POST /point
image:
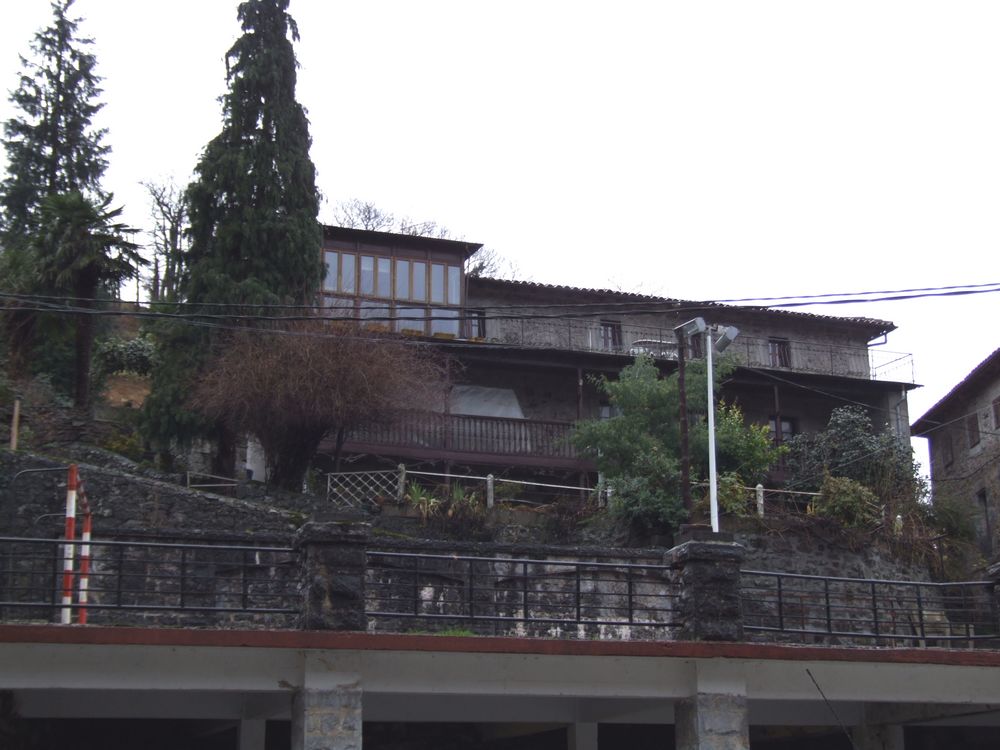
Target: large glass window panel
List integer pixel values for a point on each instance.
(367, 274)
(419, 281)
(410, 319)
(383, 279)
(454, 285)
(375, 312)
(348, 278)
(437, 283)
(339, 307)
(330, 280)
(444, 321)
(402, 279)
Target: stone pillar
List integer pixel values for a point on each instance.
(327, 719)
(332, 555)
(581, 736)
(707, 572)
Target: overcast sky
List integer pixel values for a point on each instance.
(699, 150)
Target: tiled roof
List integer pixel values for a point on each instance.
(878, 327)
(985, 370)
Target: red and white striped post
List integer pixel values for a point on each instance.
(67, 583)
(84, 555)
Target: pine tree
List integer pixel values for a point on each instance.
(53, 146)
(56, 229)
(253, 208)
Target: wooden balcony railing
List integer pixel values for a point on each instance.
(456, 433)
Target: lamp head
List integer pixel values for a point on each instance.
(690, 328)
(729, 333)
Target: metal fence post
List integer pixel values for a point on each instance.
(489, 490)
(760, 500)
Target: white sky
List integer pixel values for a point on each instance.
(704, 150)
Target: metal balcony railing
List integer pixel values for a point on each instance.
(850, 611)
(590, 335)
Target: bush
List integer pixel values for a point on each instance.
(847, 501)
(125, 355)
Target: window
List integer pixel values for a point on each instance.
(996, 413)
(332, 270)
(780, 351)
(402, 290)
(972, 429)
(454, 285)
(788, 429)
(437, 283)
(477, 323)
(348, 277)
(410, 320)
(419, 281)
(695, 346)
(383, 279)
(444, 322)
(367, 275)
(611, 335)
(947, 450)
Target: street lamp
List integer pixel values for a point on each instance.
(683, 332)
(729, 333)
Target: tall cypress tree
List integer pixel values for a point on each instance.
(253, 208)
(254, 205)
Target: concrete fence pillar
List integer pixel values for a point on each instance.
(332, 556)
(707, 573)
(715, 715)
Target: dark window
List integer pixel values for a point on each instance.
(947, 451)
(695, 346)
(780, 351)
(788, 429)
(996, 413)
(477, 323)
(972, 429)
(611, 335)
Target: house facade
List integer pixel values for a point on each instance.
(527, 356)
(963, 435)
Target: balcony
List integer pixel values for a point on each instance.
(456, 436)
(610, 337)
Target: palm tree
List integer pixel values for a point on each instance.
(82, 250)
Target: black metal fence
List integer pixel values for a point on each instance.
(514, 596)
(153, 583)
(859, 611)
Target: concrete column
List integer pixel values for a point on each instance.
(581, 736)
(332, 555)
(712, 722)
(707, 571)
(715, 715)
(328, 719)
(252, 733)
(878, 737)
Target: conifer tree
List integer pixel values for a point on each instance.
(253, 207)
(254, 234)
(58, 234)
(52, 145)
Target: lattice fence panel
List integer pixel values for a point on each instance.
(355, 489)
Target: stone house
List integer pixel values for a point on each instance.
(528, 354)
(963, 435)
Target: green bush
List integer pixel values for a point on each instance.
(847, 501)
(125, 355)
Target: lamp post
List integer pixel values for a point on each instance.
(728, 334)
(682, 332)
